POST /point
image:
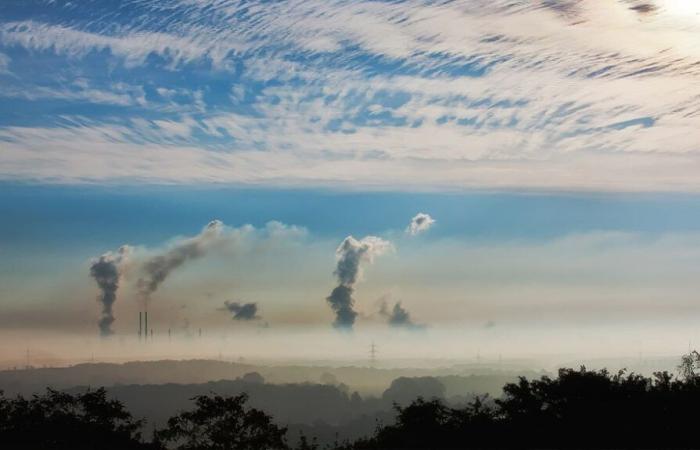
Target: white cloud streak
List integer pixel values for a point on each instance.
(583, 96)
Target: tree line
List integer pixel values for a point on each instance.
(576, 409)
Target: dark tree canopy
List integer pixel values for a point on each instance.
(577, 409)
(56, 420)
(223, 423)
(404, 390)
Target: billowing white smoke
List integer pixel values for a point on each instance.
(420, 223)
(351, 255)
(107, 272)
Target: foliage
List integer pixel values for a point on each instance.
(223, 423)
(576, 409)
(56, 420)
(689, 364)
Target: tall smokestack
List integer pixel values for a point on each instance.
(140, 326)
(145, 314)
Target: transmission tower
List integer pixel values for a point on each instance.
(373, 354)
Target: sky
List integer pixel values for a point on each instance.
(546, 152)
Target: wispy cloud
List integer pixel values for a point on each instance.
(597, 95)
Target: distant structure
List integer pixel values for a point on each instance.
(372, 354)
(143, 326)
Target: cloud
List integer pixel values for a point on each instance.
(242, 311)
(120, 95)
(275, 230)
(133, 48)
(418, 94)
(107, 271)
(351, 255)
(420, 223)
(644, 8)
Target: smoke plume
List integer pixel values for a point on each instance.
(341, 302)
(420, 223)
(157, 268)
(398, 316)
(351, 254)
(242, 311)
(106, 270)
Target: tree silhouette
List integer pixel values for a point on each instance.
(689, 364)
(577, 409)
(57, 420)
(223, 423)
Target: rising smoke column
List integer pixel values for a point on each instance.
(157, 268)
(351, 254)
(420, 223)
(106, 270)
(242, 311)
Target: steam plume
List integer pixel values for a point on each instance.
(351, 254)
(159, 267)
(242, 311)
(420, 223)
(106, 270)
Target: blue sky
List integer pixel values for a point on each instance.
(107, 216)
(555, 144)
(417, 95)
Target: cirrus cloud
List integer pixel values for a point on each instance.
(413, 94)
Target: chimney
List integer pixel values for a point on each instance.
(140, 325)
(145, 328)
